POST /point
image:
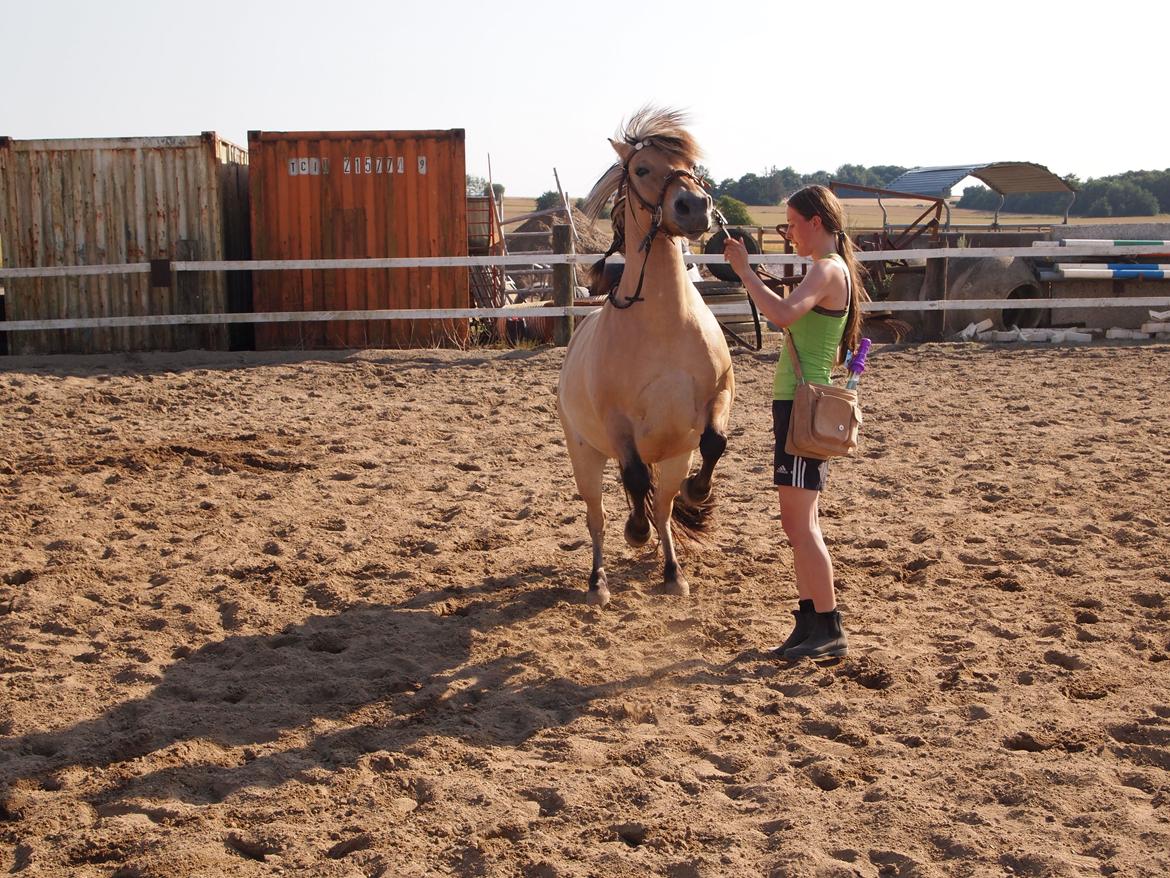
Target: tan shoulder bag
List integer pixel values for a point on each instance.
(825, 418)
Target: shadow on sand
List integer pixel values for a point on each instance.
(322, 693)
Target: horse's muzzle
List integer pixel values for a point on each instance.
(692, 212)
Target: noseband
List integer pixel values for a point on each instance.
(655, 226)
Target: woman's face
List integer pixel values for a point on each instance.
(802, 232)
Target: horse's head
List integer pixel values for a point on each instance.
(660, 179)
(655, 169)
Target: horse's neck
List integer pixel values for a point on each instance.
(665, 283)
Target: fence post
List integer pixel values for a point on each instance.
(562, 284)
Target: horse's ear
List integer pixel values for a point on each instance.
(623, 149)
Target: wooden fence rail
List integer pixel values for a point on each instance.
(537, 311)
(555, 259)
(1054, 250)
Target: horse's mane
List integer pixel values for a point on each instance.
(664, 129)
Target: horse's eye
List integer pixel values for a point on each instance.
(642, 172)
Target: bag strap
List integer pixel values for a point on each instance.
(794, 357)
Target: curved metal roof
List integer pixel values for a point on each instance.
(1006, 178)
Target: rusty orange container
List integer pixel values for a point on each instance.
(358, 194)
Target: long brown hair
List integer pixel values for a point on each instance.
(820, 201)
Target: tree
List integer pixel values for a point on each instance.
(476, 185)
(548, 200)
(978, 198)
(734, 211)
(884, 175)
(1129, 199)
(479, 186)
(1100, 207)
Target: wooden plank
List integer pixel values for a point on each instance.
(65, 209)
(533, 215)
(77, 270)
(156, 301)
(563, 285)
(107, 192)
(75, 195)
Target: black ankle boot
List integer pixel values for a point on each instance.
(826, 638)
(804, 617)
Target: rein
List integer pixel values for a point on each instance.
(619, 238)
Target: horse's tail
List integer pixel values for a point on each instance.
(695, 521)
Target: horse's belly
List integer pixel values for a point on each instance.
(670, 418)
(663, 445)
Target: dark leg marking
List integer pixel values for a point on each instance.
(636, 479)
(697, 488)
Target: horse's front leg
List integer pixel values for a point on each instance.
(588, 469)
(670, 473)
(697, 489)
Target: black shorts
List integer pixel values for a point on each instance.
(787, 470)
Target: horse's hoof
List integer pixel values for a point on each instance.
(597, 597)
(678, 587)
(636, 538)
(693, 497)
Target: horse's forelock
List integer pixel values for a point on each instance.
(666, 129)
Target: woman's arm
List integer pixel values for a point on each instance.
(816, 287)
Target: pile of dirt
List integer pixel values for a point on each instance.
(590, 238)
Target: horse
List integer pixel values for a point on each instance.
(647, 379)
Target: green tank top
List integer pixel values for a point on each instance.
(817, 336)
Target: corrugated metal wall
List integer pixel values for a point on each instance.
(107, 201)
(322, 195)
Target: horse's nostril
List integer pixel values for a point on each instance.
(681, 206)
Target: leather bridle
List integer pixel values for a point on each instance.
(655, 223)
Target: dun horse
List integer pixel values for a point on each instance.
(648, 379)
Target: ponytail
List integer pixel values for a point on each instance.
(857, 293)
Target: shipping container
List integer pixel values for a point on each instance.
(124, 200)
(368, 194)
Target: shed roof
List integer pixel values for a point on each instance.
(1006, 178)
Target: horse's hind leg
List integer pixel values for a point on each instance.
(670, 476)
(712, 444)
(588, 469)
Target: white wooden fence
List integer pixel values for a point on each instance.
(1037, 250)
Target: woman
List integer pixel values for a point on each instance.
(822, 313)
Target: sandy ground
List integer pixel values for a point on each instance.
(317, 614)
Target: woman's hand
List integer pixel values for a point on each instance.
(737, 257)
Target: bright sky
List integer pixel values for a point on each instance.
(542, 84)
